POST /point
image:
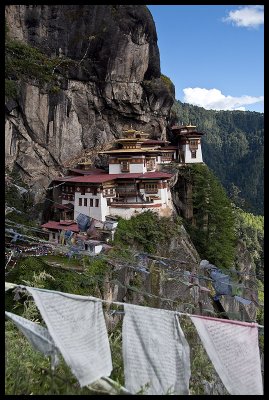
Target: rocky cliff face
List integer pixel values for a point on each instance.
(112, 82)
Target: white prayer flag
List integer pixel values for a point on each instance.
(234, 352)
(78, 328)
(155, 352)
(37, 335)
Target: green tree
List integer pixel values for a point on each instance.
(212, 225)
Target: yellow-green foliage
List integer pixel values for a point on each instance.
(168, 83)
(25, 63)
(250, 229)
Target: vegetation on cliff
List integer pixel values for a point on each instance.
(25, 63)
(250, 230)
(167, 81)
(212, 226)
(146, 232)
(233, 147)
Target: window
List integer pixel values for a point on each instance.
(150, 164)
(85, 202)
(124, 166)
(91, 202)
(193, 154)
(83, 190)
(96, 202)
(80, 201)
(166, 157)
(111, 191)
(151, 188)
(53, 235)
(193, 144)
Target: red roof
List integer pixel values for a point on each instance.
(93, 178)
(108, 177)
(59, 226)
(87, 172)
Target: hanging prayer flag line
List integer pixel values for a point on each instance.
(253, 324)
(243, 323)
(76, 324)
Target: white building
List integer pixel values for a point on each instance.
(189, 144)
(134, 182)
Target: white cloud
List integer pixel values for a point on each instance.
(240, 109)
(247, 17)
(213, 99)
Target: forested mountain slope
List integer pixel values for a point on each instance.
(233, 147)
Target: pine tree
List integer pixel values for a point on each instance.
(212, 226)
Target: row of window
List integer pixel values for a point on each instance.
(85, 203)
(167, 155)
(125, 165)
(68, 189)
(109, 191)
(67, 196)
(151, 186)
(82, 189)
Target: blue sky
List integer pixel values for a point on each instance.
(214, 54)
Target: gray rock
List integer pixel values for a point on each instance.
(112, 82)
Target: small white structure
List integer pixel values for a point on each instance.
(93, 247)
(189, 144)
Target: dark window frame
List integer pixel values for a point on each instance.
(193, 154)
